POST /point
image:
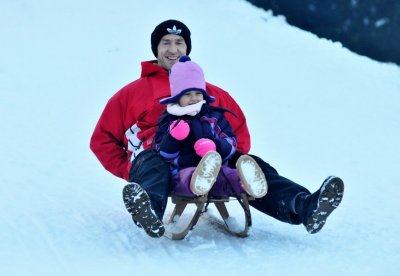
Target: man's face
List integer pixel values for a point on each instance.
(170, 49)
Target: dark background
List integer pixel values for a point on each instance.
(367, 27)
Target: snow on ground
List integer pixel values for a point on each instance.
(313, 108)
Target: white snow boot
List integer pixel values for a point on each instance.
(251, 176)
(206, 173)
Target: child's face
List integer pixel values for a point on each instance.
(191, 97)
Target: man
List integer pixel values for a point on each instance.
(124, 137)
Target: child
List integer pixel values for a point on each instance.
(197, 140)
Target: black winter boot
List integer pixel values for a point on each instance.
(315, 208)
(137, 202)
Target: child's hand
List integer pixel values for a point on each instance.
(179, 129)
(204, 145)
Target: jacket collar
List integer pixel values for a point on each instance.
(151, 67)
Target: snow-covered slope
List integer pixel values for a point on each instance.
(313, 108)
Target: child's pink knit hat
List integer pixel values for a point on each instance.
(186, 75)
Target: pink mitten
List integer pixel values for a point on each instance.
(204, 145)
(179, 129)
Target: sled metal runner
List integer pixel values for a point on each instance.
(201, 202)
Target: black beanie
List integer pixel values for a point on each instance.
(170, 27)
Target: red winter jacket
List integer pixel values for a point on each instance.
(130, 117)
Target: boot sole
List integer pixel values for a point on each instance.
(329, 199)
(206, 173)
(251, 176)
(137, 202)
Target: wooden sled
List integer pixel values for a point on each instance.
(201, 203)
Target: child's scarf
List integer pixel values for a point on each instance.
(192, 109)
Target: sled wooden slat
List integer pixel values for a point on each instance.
(200, 202)
(180, 205)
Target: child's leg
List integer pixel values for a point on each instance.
(181, 182)
(227, 184)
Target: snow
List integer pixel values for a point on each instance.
(313, 107)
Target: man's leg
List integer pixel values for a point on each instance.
(146, 194)
(281, 192)
(152, 173)
(289, 202)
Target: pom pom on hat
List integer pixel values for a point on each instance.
(184, 59)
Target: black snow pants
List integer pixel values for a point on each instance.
(281, 191)
(151, 171)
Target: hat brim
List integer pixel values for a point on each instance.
(175, 99)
